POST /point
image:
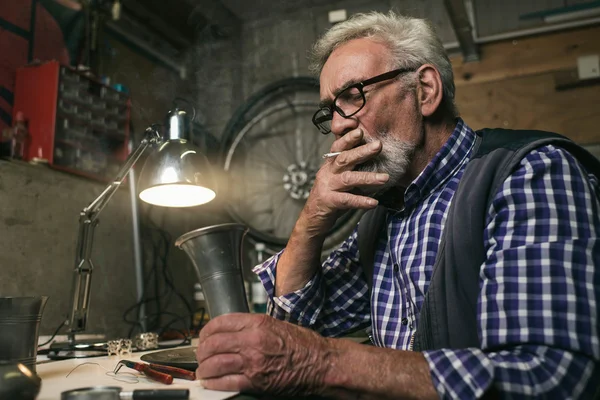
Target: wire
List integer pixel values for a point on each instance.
(146, 236)
(128, 378)
(160, 295)
(53, 335)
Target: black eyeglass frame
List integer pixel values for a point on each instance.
(360, 85)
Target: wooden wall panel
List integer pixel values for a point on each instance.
(528, 56)
(513, 86)
(532, 103)
(493, 16)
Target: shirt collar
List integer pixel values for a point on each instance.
(444, 165)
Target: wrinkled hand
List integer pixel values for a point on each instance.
(257, 353)
(334, 182)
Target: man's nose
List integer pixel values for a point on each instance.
(340, 125)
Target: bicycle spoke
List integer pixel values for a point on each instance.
(258, 161)
(273, 138)
(285, 212)
(270, 149)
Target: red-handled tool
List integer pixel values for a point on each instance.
(160, 373)
(174, 371)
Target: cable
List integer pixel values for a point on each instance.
(185, 333)
(157, 244)
(166, 271)
(147, 236)
(53, 335)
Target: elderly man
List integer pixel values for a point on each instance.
(465, 293)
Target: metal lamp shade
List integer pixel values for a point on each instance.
(177, 175)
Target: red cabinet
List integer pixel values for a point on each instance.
(77, 124)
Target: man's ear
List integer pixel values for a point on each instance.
(430, 89)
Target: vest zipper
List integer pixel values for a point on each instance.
(412, 341)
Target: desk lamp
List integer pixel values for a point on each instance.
(177, 174)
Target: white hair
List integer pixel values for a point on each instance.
(411, 41)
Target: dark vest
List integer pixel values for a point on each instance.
(448, 317)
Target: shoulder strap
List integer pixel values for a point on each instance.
(369, 228)
(521, 142)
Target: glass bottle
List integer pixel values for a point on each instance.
(201, 316)
(258, 293)
(20, 137)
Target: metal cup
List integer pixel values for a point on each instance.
(216, 252)
(19, 328)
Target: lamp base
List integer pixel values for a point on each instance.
(77, 349)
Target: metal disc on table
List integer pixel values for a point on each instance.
(180, 357)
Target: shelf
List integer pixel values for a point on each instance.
(75, 107)
(114, 133)
(77, 123)
(76, 157)
(79, 146)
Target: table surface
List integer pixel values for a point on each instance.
(86, 372)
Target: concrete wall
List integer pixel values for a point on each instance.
(39, 223)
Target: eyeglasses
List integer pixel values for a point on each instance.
(350, 100)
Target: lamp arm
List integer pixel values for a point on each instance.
(151, 136)
(88, 219)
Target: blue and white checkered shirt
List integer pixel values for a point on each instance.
(538, 311)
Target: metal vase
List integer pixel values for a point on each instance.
(216, 252)
(20, 319)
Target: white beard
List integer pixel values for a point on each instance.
(394, 160)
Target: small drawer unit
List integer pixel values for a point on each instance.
(76, 123)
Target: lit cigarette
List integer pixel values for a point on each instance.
(329, 155)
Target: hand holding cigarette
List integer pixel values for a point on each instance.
(329, 155)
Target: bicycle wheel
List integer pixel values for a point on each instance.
(271, 155)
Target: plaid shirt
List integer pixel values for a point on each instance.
(538, 305)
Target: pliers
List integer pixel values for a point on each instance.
(160, 373)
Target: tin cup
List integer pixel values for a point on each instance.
(20, 319)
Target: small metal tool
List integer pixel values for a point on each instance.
(116, 393)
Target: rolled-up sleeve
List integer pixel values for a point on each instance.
(300, 307)
(333, 302)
